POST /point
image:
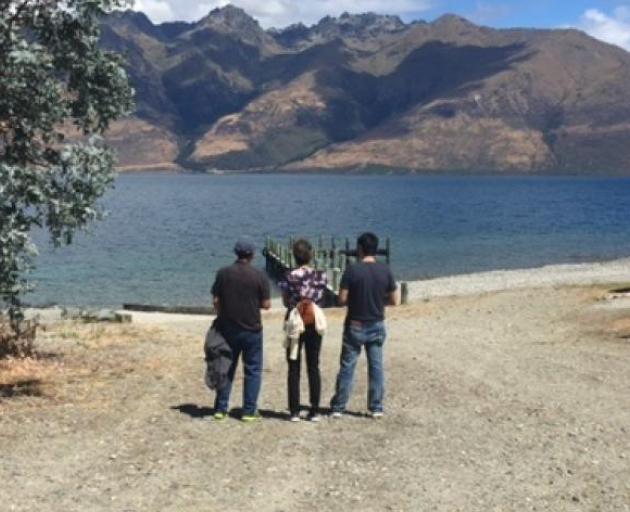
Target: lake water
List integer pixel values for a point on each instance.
(166, 234)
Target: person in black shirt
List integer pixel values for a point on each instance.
(366, 288)
(240, 291)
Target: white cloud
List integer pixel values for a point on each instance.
(614, 29)
(157, 10)
(277, 13)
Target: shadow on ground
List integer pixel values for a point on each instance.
(28, 387)
(197, 412)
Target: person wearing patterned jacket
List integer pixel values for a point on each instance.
(302, 288)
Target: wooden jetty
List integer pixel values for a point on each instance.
(329, 256)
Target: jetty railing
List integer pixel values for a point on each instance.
(330, 255)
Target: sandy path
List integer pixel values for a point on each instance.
(508, 401)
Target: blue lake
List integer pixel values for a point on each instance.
(166, 234)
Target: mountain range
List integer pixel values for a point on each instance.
(370, 92)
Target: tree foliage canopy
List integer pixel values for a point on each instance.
(54, 79)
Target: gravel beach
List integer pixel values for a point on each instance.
(582, 274)
(506, 391)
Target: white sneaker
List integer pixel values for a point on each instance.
(315, 418)
(377, 415)
(336, 415)
(295, 419)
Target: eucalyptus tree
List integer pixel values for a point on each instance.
(55, 80)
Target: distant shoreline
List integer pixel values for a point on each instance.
(141, 169)
(175, 169)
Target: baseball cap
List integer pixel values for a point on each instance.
(243, 248)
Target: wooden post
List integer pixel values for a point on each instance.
(404, 293)
(336, 279)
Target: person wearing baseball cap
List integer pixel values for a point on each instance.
(240, 291)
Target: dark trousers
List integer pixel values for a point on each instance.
(312, 344)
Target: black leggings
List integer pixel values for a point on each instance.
(312, 343)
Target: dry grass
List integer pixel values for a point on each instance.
(100, 335)
(28, 377)
(81, 357)
(17, 341)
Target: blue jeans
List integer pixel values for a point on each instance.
(372, 337)
(250, 345)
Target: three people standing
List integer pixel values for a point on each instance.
(240, 291)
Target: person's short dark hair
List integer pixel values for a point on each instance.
(302, 252)
(368, 242)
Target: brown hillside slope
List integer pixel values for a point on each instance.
(369, 91)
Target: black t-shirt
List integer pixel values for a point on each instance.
(241, 290)
(368, 286)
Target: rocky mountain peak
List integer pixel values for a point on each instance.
(453, 21)
(348, 24)
(237, 24)
(232, 18)
(135, 19)
(371, 20)
(353, 26)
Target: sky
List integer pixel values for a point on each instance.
(608, 20)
